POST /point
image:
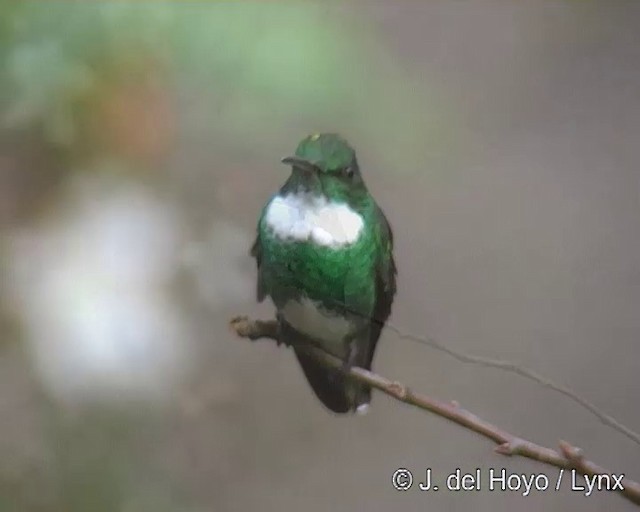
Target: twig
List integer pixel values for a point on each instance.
(517, 369)
(567, 457)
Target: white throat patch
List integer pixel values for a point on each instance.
(305, 217)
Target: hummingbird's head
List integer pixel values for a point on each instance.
(325, 164)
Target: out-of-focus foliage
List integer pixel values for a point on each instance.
(61, 55)
(260, 66)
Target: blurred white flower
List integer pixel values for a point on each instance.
(92, 288)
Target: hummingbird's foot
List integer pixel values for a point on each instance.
(349, 361)
(283, 338)
(353, 353)
(336, 375)
(346, 366)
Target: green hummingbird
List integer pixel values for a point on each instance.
(324, 252)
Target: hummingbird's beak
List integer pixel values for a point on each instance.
(300, 163)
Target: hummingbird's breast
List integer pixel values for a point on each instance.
(321, 255)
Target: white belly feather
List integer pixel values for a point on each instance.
(306, 317)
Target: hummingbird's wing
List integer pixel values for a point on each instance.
(256, 252)
(385, 282)
(385, 286)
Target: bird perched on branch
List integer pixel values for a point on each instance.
(324, 252)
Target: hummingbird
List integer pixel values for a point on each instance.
(324, 252)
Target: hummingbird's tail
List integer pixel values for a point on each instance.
(334, 390)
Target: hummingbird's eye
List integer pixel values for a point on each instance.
(348, 171)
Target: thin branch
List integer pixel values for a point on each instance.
(567, 457)
(511, 367)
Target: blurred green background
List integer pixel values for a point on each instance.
(138, 144)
